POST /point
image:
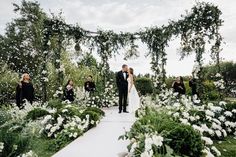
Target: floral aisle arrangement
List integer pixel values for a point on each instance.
(107, 98)
(175, 125)
(55, 122)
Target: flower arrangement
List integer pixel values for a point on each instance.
(209, 122)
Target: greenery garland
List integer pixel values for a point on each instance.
(199, 27)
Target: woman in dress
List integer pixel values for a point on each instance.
(69, 91)
(24, 91)
(133, 97)
(179, 86)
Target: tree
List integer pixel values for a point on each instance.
(21, 45)
(88, 60)
(228, 71)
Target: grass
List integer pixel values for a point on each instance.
(227, 147)
(41, 147)
(231, 99)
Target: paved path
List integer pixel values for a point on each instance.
(102, 141)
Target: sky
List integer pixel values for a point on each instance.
(131, 16)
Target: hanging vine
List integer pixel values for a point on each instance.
(196, 29)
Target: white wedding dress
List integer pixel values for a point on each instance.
(133, 97)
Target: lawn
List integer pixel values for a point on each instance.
(227, 147)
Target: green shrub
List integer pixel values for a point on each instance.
(144, 85)
(210, 93)
(185, 140)
(15, 143)
(181, 138)
(55, 103)
(230, 106)
(97, 110)
(93, 116)
(69, 111)
(4, 117)
(36, 113)
(8, 82)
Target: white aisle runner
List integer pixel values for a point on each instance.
(102, 141)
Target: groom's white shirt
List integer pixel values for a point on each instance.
(124, 74)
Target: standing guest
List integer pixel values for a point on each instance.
(69, 91)
(193, 85)
(178, 85)
(24, 91)
(89, 85)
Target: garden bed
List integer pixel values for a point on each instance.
(169, 125)
(42, 130)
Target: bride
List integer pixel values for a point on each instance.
(133, 97)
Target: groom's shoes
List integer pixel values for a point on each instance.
(125, 111)
(119, 112)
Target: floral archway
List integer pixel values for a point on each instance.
(197, 29)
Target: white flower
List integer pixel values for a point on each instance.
(208, 153)
(28, 154)
(64, 110)
(176, 114)
(60, 120)
(218, 133)
(228, 113)
(157, 140)
(184, 121)
(234, 110)
(134, 145)
(46, 119)
(215, 150)
(53, 129)
(198, 128)
(48, 126)
(176, 104)
(148, 143)
(147, 154)
(222, 103)
(44, 72)
(224, 132)
(216, 126)
(207, 140)
(216, 108)
(75, 134)
(210, 113)
(218, 75)
(216, 121)
(185, 114)
(1, 146)
(222, 118)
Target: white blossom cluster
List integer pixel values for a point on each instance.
(219, 82)
(214, 122)
(1, 146)
(107, 99)
(28, 154)
(70, 125)
(196, 70)
(150, 141)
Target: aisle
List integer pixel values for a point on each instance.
(102, 141)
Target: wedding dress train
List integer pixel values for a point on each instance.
(133, 98)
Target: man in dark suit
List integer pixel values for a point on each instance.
(122, 85)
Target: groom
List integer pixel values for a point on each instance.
(122, 85)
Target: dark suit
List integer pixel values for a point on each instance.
(122, 85)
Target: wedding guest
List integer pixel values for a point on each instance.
(193, 85)
(69, 91)
(178, 85)
(89, 85)
(24, 91)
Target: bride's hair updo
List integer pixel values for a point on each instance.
(131, 70)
